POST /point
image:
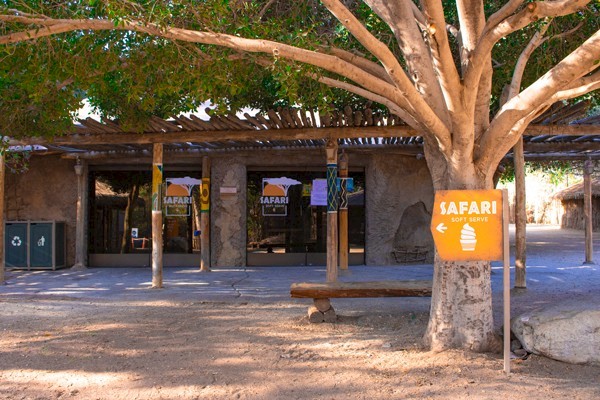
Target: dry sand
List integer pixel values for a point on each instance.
(53, 348)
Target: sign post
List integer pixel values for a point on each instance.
(472, 225)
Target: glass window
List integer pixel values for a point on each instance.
(287, 212)
(121, 215)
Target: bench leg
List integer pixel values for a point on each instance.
(321, 311)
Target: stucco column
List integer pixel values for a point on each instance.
(80, 224)
(157, 216)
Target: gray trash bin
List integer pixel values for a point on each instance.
(15, 244)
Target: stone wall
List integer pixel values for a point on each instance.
(399, 197)
(399, 202)
(46, 192)
(228, 213)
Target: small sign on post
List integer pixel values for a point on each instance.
(472, 225)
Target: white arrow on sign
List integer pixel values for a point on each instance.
(441, 228)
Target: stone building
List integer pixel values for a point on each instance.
(251, 221)
(262, 181)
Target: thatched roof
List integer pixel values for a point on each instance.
(575, 192)
(103, 189)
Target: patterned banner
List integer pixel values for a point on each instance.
(205, 195)
(343, 193)
(157, 180)
(332, 193)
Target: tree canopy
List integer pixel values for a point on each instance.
(131, 75)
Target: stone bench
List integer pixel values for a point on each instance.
(322, 292)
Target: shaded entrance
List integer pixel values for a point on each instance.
(287, 218)
(120, 220)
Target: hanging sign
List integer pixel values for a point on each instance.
(178, 195)
(467, 225)
(205, 195)
(318, 195)
(274, 199)
(157, 178)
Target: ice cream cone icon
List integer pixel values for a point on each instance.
(468, 239)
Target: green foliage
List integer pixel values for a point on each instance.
(580, 25)
(131, 76)
(122, 182)
(554, 171)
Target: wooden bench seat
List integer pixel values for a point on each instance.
(326, 290)
(321, 292)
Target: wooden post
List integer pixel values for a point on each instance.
(80, 224)
(506, 280)
(2, 173)
(157, 216)
(520, 216)
(332, 205)
(205, 217)
(588, 169)
(343, 213)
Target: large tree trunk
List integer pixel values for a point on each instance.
(461, 307)
(461, 303)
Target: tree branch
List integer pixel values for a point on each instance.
(371, 43)
(420, 107)
(361, 62)
(414, 105)
(507, 10)
(265, 8)
(443, 61)
(565, 76)
(578, 88)
(536, 41)
(399, 15)
(394, 109)
(492, 34)
(471, 18)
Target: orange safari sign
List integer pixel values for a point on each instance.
(467, 225)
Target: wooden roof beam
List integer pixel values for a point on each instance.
(273, 135)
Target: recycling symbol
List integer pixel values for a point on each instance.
(16, 241)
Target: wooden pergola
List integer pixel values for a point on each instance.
(545, 139)
(559, 134)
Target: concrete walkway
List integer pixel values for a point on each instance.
(555, 270)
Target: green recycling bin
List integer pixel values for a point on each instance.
(15, 244)
(47, 244)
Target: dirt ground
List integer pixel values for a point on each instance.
(64, 348)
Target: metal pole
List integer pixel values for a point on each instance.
(506, 280)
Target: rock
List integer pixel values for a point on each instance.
(329, 315)
(568, 332)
